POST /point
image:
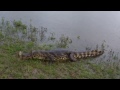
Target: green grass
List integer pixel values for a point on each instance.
(11, 67)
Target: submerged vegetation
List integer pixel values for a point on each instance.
(16, 36)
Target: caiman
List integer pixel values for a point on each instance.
(59, 55)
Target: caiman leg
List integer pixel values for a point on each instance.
(51, 57)
(72, 57)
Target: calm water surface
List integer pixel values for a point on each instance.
(93, 27)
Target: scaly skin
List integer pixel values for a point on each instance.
(59, 55)
(82, 55)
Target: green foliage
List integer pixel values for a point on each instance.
(18, 31)
(52, 37)
(16, 36)
(19, 24)
(3, 21)
(63, 42)
(46, 46)
(1, 36)
(42, 33)
(78, 37)
(29, 45)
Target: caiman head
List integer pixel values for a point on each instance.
(24, 56)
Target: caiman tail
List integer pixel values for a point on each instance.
(80, 55)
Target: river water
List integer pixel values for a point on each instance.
(93, 27)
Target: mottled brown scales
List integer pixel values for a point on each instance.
(59, 55)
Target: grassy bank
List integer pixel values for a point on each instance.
(12, 67)
(16, 36)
